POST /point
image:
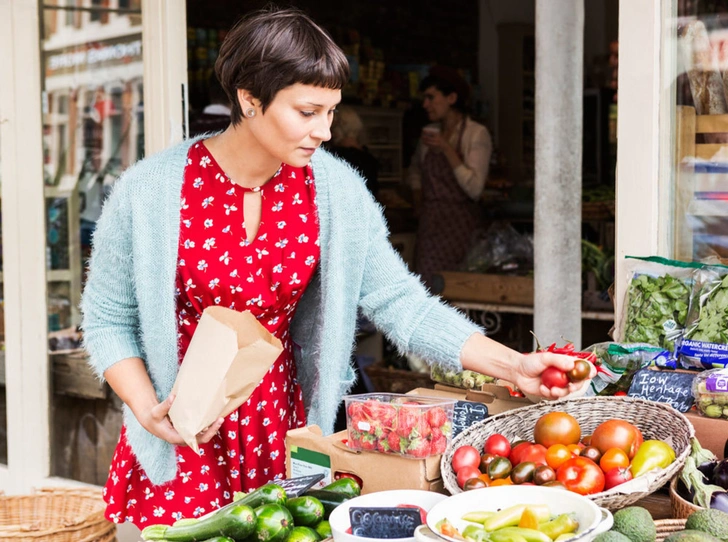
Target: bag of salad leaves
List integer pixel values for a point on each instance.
(705, 342)
(617, 363)
(656, 303)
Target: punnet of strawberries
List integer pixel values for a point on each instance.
(407, 425)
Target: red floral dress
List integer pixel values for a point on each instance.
(219, 265)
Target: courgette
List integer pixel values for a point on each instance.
(273, 524)
(267, 494)
(237, 521)
(345, 486)
(329, 499)
(303, 534)
(323, 528)
(220, 539)
(307, 511)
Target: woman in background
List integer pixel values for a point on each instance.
(447, 174)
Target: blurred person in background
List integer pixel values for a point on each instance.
(347, 142)
(447, 174)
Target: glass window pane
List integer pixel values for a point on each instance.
(696, 58)
(93, 126)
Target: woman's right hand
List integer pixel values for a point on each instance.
(157, 422)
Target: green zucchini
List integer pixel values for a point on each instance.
(307, 511)
(303, 534)
(220, 539)
(237, 521)
(267, 494)
(323, 528)
(345, 486)
(330, 499)
(273, 524)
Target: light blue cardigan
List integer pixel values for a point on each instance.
(129, 301)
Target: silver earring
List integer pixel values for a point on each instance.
(250, 113)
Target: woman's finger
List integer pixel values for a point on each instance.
(210, 432)
(166, 431)
(160, 411)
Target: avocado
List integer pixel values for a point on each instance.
(713, 522)
(611, 536)
(635, 523)
(691, 536)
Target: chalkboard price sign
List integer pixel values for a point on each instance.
(465, 414)
(384, 522)
(295, 487)
(669, 387)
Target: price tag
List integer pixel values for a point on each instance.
(384, 522)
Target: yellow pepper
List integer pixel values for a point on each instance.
(653, 454)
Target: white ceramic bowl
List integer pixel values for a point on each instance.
(340, 516)
(592, 519)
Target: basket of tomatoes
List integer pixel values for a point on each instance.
(614, 450)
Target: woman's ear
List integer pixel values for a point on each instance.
(452, 98)
(246, 100)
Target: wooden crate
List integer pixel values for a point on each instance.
(502, 289)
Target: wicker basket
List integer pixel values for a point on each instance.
(55, 515)
(681, 508)
(390, 380)
(655, 420)
(665, 527)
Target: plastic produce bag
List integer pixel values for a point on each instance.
(469, 380)
(656, 305)
(710, 389)
(705, 343)
(617, 364)
(500, 249)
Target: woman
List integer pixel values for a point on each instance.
(447, 174)
(250, 219)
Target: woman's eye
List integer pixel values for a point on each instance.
(308, 113)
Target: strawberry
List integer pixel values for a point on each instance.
(446, 429)
(395, 442)
(436, 433)
(368, 442)
(387, 414)
(439, 444)
(406, 421)
(355, 410)
(419, 447)
(436, 417)
(383, 443)
(354, 440)
(422, 428)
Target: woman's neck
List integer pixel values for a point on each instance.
(451, 120)
(241, 156)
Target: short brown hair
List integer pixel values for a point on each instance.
(271, 49)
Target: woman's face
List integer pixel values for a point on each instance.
(437, 104)
(296, 122)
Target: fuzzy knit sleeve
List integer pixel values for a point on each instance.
(401, 307)
(110, 314)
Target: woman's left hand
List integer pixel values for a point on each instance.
(434, 141)
(530, 367)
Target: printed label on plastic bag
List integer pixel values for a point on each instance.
(709, 355)
(717, 381)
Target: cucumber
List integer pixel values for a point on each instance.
(303, 534)
(345, 486)
(323, 528)
(267, 494)
(237, 521)
(274, 523)
(307, 511)
(329, 499)
(220, 539)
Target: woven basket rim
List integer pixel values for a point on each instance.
(608, 499)
(679, 498)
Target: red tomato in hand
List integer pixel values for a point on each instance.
(553, 377)
(616, 476)
(617, 434)
(467, 473)
(497, 445)
(581, 475)
(465, 456)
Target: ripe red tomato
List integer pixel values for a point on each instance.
(517, 452)
(616, 476)
(581, 475)
(556, 428)
(553, 377)
(617, 434)
(557, 455)
(467, 473)
(581, 371)
(465, 456)
(535, 453)
(614, 458)
(497, 445)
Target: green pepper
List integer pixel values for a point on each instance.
(531, 535)
(477, 517)
(509, 517)
(563, 524)
(653, 454)
(475, 533)
(499, 536)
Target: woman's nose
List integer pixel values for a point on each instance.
(322, 131)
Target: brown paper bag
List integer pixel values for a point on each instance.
(228, 356)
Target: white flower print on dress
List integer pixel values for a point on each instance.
(234, 273)
(198, 511)
(245, 421)
(189, 244)
(226, 229)
(235, 289)
(169, 494)
(198, 182)
(202, 487)
(159, 511)
(231, 192)
(279, 187)
(205, 161)
(185, 476)
(277, 207)
(303, 217)
(292, 175)
(263, 237)
(188, 499)
(273, 322)
(213, 284)
(229, 208)
(189, 285)
(303, 238)
(187, 222)
(248, 259)
(274, 455)
(234, 473)
(202, 265)
(205, 469)
(207, 202)
(295, 279)
(184, 204)
(116, 518)
(278, 268)
(261, 252)
(217, 300)
(272, 437)
(274, 286)
(176, 516)
(310, 260)
(282, 243)
(148, 493)
(281, 224)
(208, 223)
(297, 199)
(216, 503)
(225, 258)
(266, 422)
(251, 474)
(209, 243)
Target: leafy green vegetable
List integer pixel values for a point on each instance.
(711, 322)
(657, 310)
